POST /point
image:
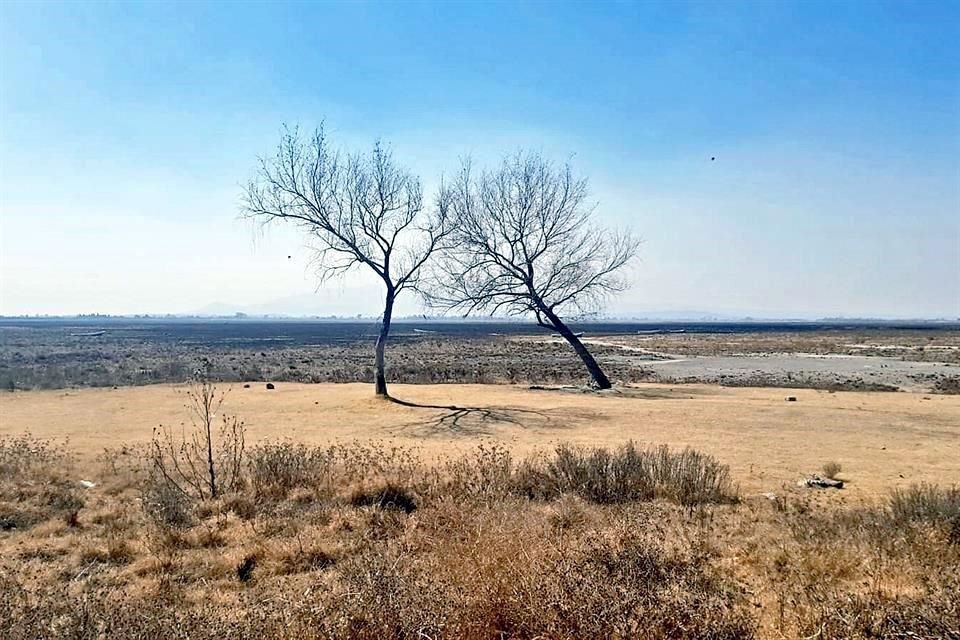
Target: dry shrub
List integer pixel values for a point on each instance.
(926, 503)
(488, 472)
(201, 463)
(240, 505)
(117, 551)
(485, 472)
(870, 572)
(568, 513)
(494, 575)
(209, 538)
(832, 469)
(276, 469)
(34, 486)
(629, 474)
(24, 457)
(165, 503)
(61, 496)
(625, 474)
(385, 496)
(17, 517)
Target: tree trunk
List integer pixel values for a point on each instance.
(381, 375)
(599, 377)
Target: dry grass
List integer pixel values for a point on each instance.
(832, 469)
(364, 540)
(884, 440)
(534, 516)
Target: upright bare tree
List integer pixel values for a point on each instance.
(362, 210)
(524, 244)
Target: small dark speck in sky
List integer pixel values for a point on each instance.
(712, 158)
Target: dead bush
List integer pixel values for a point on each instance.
(15, 517)
(278, 468)
(385, 496)
(568, 513)
(925, 503)
(201, 463)
(25, 456)
(240, 505)
(499, 576)
(487, 471)
(303, 557)
(831, 469)
(630, 474)
(33, 484)
(165, 503)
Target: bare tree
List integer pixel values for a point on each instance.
(362, 210)
(524, 244)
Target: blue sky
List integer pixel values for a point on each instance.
(127, 128)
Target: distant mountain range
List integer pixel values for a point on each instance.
(323, 303)
(342, 304)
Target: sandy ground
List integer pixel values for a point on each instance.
(883, 440)
(905, 374)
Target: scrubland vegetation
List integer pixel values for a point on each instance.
(50, 359)
(360, 540)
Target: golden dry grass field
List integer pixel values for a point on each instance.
(460, 512)
(882, 440)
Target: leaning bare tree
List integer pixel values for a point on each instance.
(524, 244)
(362, 210)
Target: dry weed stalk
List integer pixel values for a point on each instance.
(197, 463)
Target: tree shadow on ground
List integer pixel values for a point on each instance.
(482, 421)
(679, 391)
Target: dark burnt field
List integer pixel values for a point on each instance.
(55, 354)
(95, 352)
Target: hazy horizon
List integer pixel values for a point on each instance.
(782, 159)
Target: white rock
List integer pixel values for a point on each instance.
(86, 484)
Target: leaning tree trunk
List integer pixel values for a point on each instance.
(599, 377)
(381, 379)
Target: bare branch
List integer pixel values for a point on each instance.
(360, 210)
(522, 243)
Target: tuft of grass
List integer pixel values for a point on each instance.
(240, 505)
(304, 557)
(278, 468)
(831, 469)
(116, 552)
(245, 569)
(568, 513)
(165, 504)
(386, 496)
